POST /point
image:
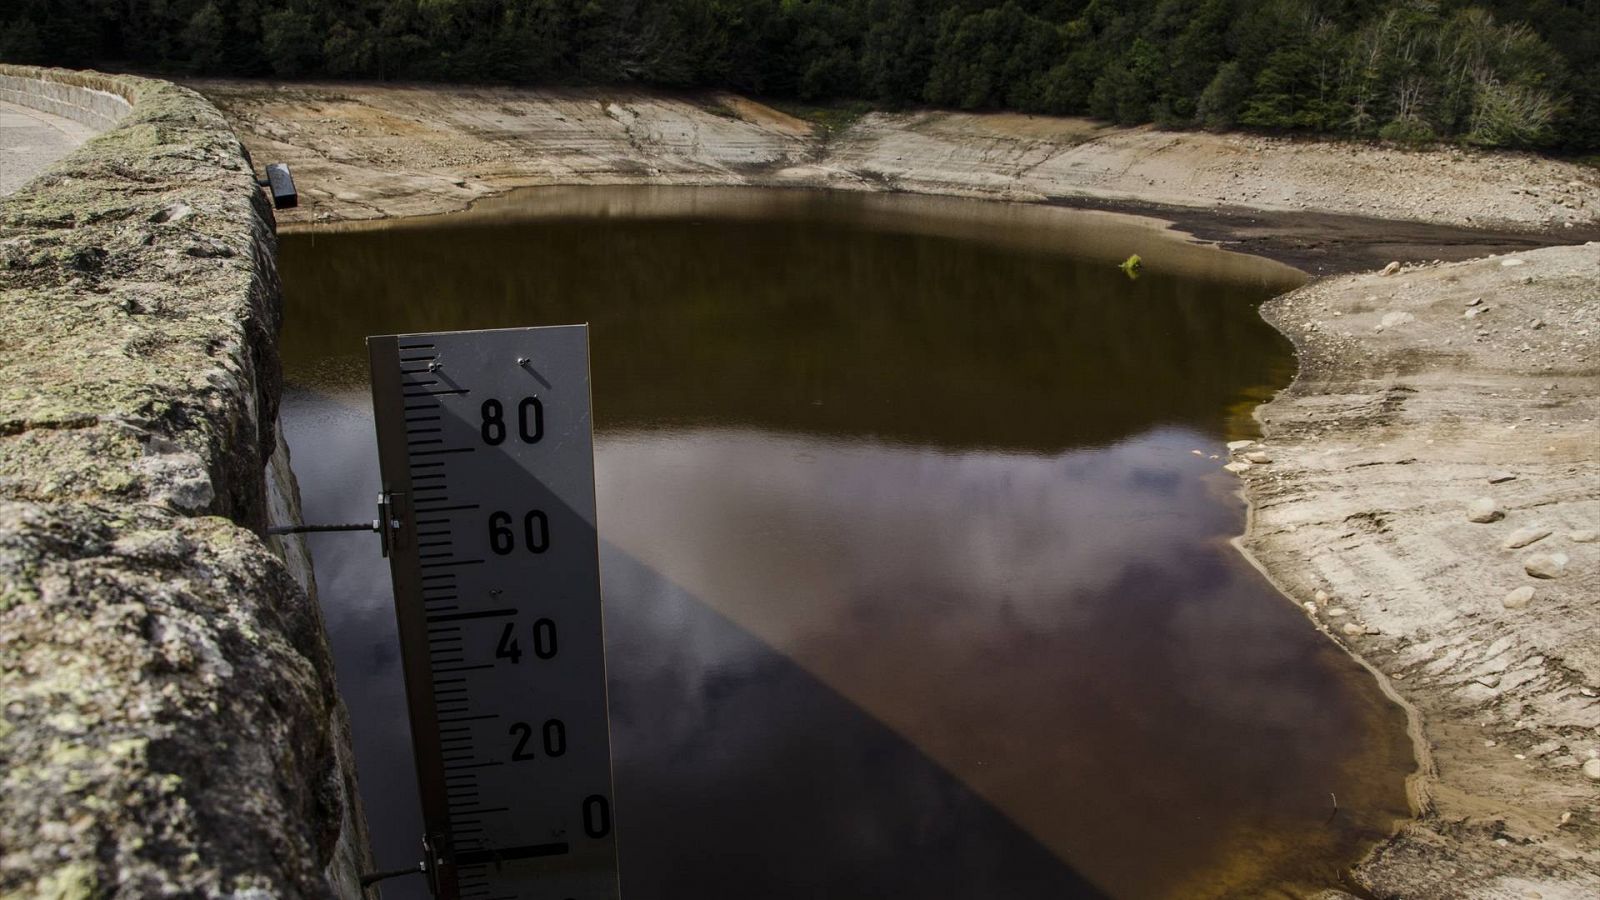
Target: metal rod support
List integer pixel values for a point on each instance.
(312, 529)
(368, 879)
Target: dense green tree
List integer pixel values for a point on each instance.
(205, 39)
(1224, 98)
(995, 57)
(1198, 49)
(823, 53)
(291, 43)
(1491, 72)
(897, 51)
(20, 41)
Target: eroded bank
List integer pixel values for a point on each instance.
(381, 151)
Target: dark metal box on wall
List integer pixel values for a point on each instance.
(281, 185)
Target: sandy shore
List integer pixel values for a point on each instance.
(1419, 391)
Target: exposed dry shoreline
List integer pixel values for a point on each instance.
(379, 151)
(1404, 412)
(1407, 403)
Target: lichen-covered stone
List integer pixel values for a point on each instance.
(170, 723)
(113, 321)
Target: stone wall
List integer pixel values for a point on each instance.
(170, 721)
(87, 98)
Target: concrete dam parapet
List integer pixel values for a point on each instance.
(88, 98)
(170, 721)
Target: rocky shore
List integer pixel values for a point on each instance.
(1429, 490)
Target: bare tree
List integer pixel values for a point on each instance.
(1511, 114)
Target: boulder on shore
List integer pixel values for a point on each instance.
(1518, 598)
(1483, 510)
(1545, 565)
(1522, 537)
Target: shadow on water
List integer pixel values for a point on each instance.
(735, 768)
(913, 584)
(748, 776)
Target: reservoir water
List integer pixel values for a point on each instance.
(915, 585)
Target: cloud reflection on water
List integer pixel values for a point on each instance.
(857, 663)
(1069, 635)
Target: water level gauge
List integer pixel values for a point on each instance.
(486, 451)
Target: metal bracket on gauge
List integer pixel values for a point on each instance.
(430, 864)
(385, 525)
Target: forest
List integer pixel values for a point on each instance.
(1517, 73)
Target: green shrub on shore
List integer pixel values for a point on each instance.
(1408, 131)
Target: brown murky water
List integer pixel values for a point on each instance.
(914, 586)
